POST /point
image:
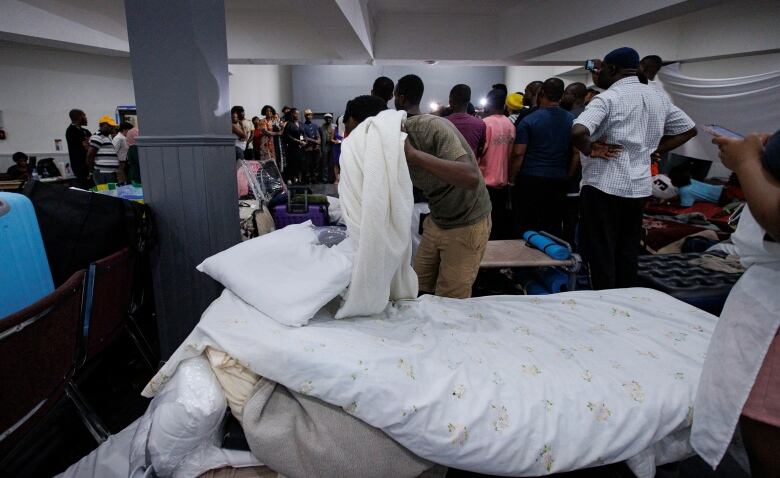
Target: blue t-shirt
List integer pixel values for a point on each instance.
(699, 191)
(547, 132)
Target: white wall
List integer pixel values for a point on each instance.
(40, 86)
(327, 88)
(517, 77)
(254, 86)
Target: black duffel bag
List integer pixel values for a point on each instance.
(79, 227)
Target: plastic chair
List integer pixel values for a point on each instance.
(38, 348)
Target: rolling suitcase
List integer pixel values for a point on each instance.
(25, 276)
(297, 211)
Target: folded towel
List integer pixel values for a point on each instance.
(547, 245)
(376, 201)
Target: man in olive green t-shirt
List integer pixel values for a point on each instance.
(443, 166)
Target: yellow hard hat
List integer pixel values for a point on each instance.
(514, 101)
(107, 119)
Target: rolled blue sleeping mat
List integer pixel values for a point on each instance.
(547, 245)
(535, 288)
(553, 279)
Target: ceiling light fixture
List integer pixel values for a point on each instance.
(483, 102)
(433, 105)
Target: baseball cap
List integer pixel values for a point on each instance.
(327, 115)
(307, 111)
(624, 57)
(107, 119)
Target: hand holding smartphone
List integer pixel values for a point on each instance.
(717, 130)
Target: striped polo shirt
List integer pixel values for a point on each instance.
(106, 159)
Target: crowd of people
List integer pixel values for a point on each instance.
(109, 155)
(548, 156)
(587, 156)
(305, 153)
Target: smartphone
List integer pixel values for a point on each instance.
(717, 130)
(590, 65)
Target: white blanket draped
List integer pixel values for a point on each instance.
(740, 104)
(375, 192)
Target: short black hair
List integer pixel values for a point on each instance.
(578, 89)
(680, 175)
(411, 86)
(125, 125)
(460, 94)
(496, 99)
(552, 89)
(534, 85)
(236, 109)
(75, 114)
(653, 59)
(470, 110)
(502, 87)
(285, 107)
(18, 156)
(383, 88)
(265, 108)
(364, 107)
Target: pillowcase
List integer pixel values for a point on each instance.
(286, 274)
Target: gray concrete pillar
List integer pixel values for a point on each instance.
(178, 54)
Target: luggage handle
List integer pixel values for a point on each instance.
(297, 208)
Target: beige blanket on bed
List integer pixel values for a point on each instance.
(300, 436)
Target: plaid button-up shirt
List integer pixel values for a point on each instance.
(634, 116)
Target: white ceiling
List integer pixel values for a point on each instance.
(461, 32)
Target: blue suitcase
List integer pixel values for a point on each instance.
(24, 270)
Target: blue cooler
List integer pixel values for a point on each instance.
(24, 270)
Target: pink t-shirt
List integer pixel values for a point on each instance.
(499, 141)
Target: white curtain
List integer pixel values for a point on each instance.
(747, 104)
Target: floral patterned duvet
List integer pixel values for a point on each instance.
(508, 385)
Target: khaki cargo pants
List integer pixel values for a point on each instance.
(447, 260)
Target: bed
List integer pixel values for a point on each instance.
(507, 385)
(518, 253)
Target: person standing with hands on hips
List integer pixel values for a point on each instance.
(618, 132)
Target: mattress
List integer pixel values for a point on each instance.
(695, 285)
(505, 385)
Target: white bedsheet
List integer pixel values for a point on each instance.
(506, 385)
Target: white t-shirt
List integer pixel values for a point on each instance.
(121, 147)
(248, 128)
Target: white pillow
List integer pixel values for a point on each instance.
(186, 414)
(286, 274)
